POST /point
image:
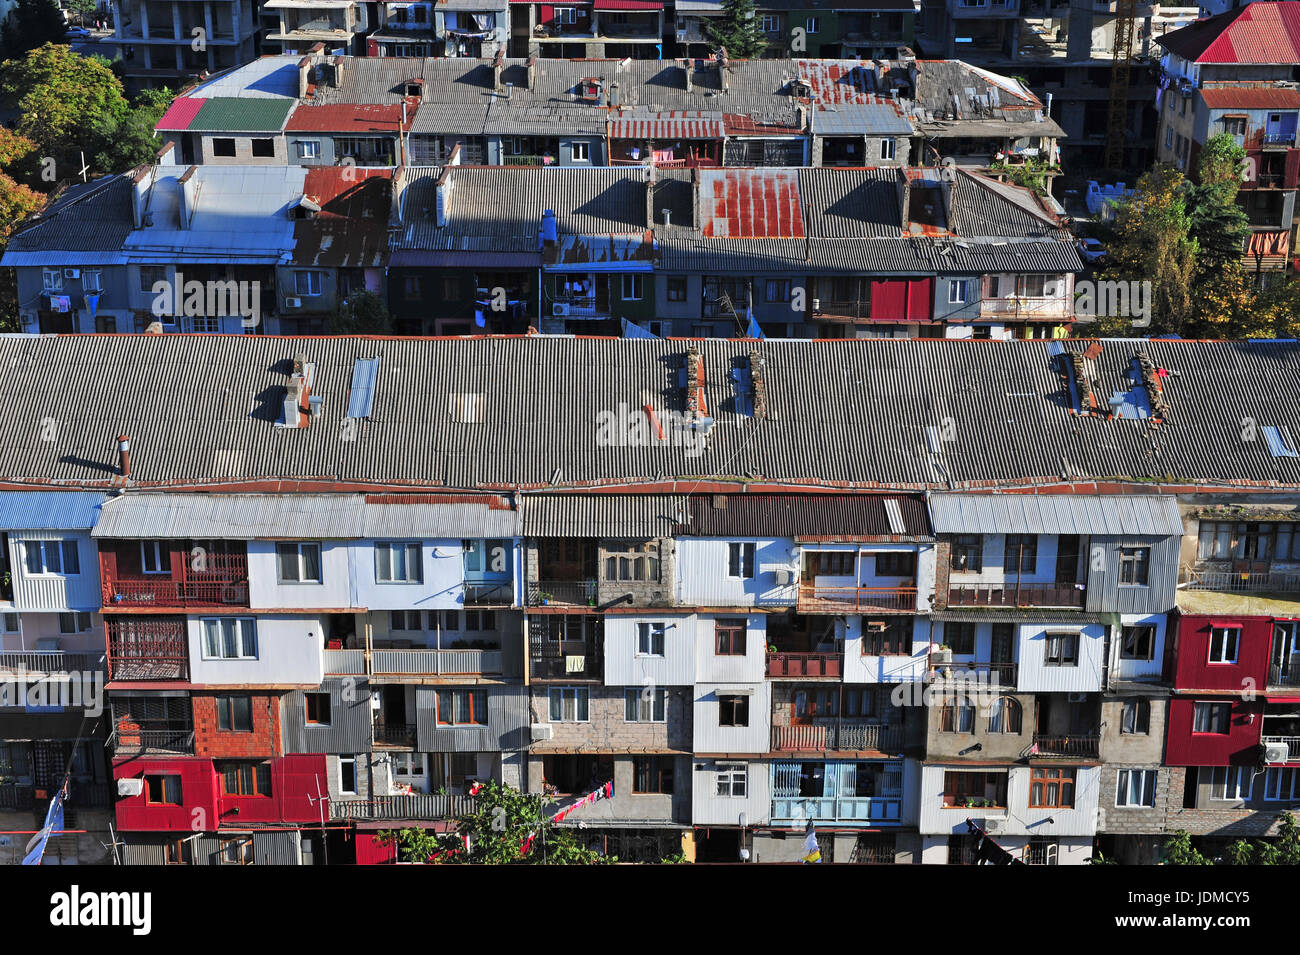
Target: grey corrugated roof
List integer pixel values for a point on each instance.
(49, 510)
(985, 207)
(90, 217)
(600, 515)
(1139, 515)
(851, 203)
(203, 408)
(841, 516)
(875, 119)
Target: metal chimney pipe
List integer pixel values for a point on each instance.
(124, 454)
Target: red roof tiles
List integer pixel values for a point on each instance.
(180, 113)
(1265, 32)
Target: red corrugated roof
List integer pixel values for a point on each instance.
(834, 83)
(327, 185)
(673, 125)
(626, 5)
(1256, 33)
(180, 113)
(349, 118)
(751, 204)
(738, 124)
(1251, 97)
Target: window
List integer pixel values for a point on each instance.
(162, 790)
(1169, 137)
(151, 275)
(729, 637)
(896, 563)
(771, 24)
(1031, 286)
(229, 638)
(1021, 553)
(885, 638)
(411, 287)
(632, 561)
(859, 701)
(633, 288)
(237, 851)
(1211, 718)
(1135, 788)
(399, 562)
(52, 280)
(52, 557)
(1061, 650)
(154, 558)
(402, 621)
(740, 560)
(733, 710)
(581, 151)
(733, 779)
(652, 774)
(245, 779)
(263, 148)
(180, 852)
(957, 716)
(1005, 716)
(347, 775)
(967, 553)
(319, 709)
(645, 705)
(309, 149)
(1138, 642)
(568, 704)
(298, 563)
(1051, 787)
(1134, 566)
(1281, 785)
(957, 291)
(235, 714)
(1224, 642)
(306, 283)
(812, 25)
(106, 324)
(77, 622)
(778, 290)
(1041, 850)
(960, 636)
(650, 639)
(1135, 718)
(223, 147)
(451, 289)
(1231, 783)
(812, 704)
(92, 280)
(676, 288)
(962, 788)
(462, 707)
(887, 152)
(480, 620)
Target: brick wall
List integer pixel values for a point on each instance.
(262, 742)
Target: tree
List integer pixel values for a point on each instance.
(1283, 850)
(1153, 242)
(738, 30)
(17, 202)
(30, 24)
(1218, 224)
(62, 97)
(362, 313)
(130, 141)
(413, 845)
(84, 9)
(1179, 851)
(20, 159)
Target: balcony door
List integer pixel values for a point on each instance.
(1067, 559)
(567, 559)
(1000, 649)
(1284, 669)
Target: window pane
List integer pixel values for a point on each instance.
(71, 562)
(311, 562)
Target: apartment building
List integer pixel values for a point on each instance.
(1235, 73)
(169, 44)
(943, 625)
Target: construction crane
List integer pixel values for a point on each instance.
(1117, 121)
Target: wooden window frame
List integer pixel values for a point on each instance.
(445, 698)
(307, 708)
(1051, 777)
(736, 630)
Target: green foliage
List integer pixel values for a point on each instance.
(1032, 173)
(1179, 851)
(499, 824)
(413, 845)
(1282, 850)
(130, 141)
(1218, 224)
(84, 9)
(362, 313)
(738, 29)
(17, 202)
(30, 24)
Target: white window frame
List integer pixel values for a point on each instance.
(637, 282)
(812, 25)
(92, 280)
(313, 283)
(343, 761)
(385, 568)
(1225, 636)
(245, 638)
(161, 557)
(650, 638)
(743, 554)
(309, 149)
(567, 15)
(771, 23)
(575, 695)
(957, 291)
(652, 710)
(301, 563)
(1209, 706)
(730, 777)
(59, 548)
(580, 151)
(52, 279)
(1281, 784)
(888, 149)
(1124, 783)
(1234, 778)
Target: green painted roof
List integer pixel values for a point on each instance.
(237, 115)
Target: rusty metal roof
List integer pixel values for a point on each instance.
(750, 204)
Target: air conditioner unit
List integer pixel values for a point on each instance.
(540, 732)
(783, 576)
(1077, 697)
(1276, 752)
(995, 827)
(560, 308)
(72, 273)
(293, 303)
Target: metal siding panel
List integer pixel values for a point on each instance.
(143, 854)
(352, 729)
(56, 592)
(277, 848)
(506, 730)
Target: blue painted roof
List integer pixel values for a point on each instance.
(49, 510)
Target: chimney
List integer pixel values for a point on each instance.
(336, 74)
(498, 65)
(187, 189)
(298, 396)
(141, 182)
(443, 197)
(167, 155)
(304, 77)
(614, 100)
(687, 66)
(124, 455)
(532, 72)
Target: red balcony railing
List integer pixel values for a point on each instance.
(813, 597)
(1015, 595)
(222, 583)
(148, 650)
(781, 664)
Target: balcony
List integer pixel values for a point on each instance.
(1288, 675)
(16, 798)
(224, 583)
(1081, 746)
(1070, 596)
(861, 809)
(570, 593)
(414, 806)
(483, 593)
(567, 662)
(345, 662)
(49, 662)
(1292, 745)
(151, 737)
(1278, 141)
(433, 662)
(805, 665)
(1244, 583)
(146, 650)
(1027, 308)
(989, 674)
(857, 736)
(814, 598)
(394, 734)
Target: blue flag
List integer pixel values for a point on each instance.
(53, 823)
(753, 331)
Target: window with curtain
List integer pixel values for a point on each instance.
(229, 638)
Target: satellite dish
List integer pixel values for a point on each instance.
(948, 169)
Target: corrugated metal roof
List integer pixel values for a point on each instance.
(49, 510)
(241, 115)
(750, 203)
(840, 516)
(600, 515)
(1251, 97)
(180, 113)
(1252, 33)
(1138, 515)
(351, 118)
(684, 125)
(361, 399)
(878, 119)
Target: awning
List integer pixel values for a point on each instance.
(1137, 516)
(626, 5)
(668, 126)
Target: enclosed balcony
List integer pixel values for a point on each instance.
(566, 647)
(846, 581)
(37, 663)
(852, 793)
(151, 725)
(1016, 594)
(567, 572)
(150, 575)
(856, 735)
(147, 649)
(800, 647)
(944, 671)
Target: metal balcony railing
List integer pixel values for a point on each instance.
(223, 582)
(49, 662)
(499, 593)
(395, 734)
(414, 806)
(1080, 745)
(782, 664)
(863, 809)
(857, 736)
(993, 674)
(16, 798)
(434, 662)
(814, 597)
(1227, 582)
(1292, 745)
(148, 650)
(139, 738)
(1012, 594)
(580, 593)
(1278, 140)
(572, 662)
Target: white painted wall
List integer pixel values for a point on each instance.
(624, 666)
(710, 809)
(1138, 669)
(34, 627)
(702, 581)
(80, 591)
(1017, 819)
(1035, 677)
(995, 557)
(885, 669)
(709, 737)
(711, 668)
(289, 651)
(267, 592)
(442, 589)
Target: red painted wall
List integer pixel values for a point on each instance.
(1192, 669)
(370, 852)
(1239, 745)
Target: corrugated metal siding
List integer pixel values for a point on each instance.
(56, 592)
(600, 515)
(49, 510)
(1104, 590)
(507, 727)
(352, 727)
(1055, 514)
(143, 854)
(277, 848)
(774, 515)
